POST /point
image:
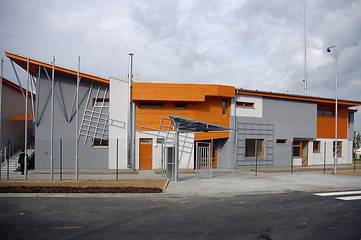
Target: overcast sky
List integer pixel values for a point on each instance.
(254, 44)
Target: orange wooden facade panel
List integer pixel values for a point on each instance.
(326, 125)
(209, 111)
(211, 135)
(179, 92)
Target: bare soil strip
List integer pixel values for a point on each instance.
(82, 186)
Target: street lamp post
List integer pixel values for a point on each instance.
(336, 69)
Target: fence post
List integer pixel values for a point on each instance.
(292, 157)
(1, 160)
(117, 161)
(354, 157)
(61, 158)
(256, 162)
(8, 159)
(324, 159)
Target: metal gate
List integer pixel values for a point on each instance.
(203, 160)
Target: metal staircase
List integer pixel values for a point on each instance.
(12, 164)
(186, 141)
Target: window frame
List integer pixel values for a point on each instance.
(339, 153)
(151, 105)
(101, 101)
(325, 113)
(299, 146)
(256, 148)
(224, 107)
(281, 141)
(180, 106)
(244, 104)
(317, 143)
(100, 140)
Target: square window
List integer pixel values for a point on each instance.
(254, 147)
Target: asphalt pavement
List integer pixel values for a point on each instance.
(294, 215)
(223, 182)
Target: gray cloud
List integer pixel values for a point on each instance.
(255, 44)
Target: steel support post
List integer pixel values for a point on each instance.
(77, 123)
(130, 122)
(211, 158)
(133, 134)
(235, 152)
(116, 159)
(52, 123)
(176, 160)
(26, 123)
(61, 158)
(1, 101)
(37, 88)
(336, 107)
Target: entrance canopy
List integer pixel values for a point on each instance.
(187, 125)
(183, 125)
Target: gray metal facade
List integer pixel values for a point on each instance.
(13, 104)
(64, 124)
(281, 119)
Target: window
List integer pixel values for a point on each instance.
(253, 147)
(150, 105)
(316, 146)
(245, 104)
(281, 141)
(300, 148)
(297, 148)
(101, 102)
(224, 107)
(325, 113)
(339, 148)
(180, 106)
(99, 143)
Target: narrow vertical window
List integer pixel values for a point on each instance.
(224, 107)
(339, 148)
(316, 146)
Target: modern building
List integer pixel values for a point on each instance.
(13, 115)
(274, 127)
(270, 129)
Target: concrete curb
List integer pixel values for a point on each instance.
(78, 195)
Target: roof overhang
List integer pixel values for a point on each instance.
(187, 126)
(320, 100)
(35, 64)
(179, 92)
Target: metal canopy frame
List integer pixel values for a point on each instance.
(189, 125)
(184, 125)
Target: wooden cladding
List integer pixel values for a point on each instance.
(210, 111)
(326, 122)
